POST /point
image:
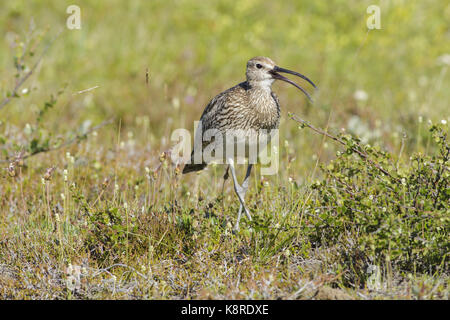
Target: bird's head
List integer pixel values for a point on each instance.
(262, 71)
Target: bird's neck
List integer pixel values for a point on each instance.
(261, 85)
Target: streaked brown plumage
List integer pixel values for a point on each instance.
(241, 107)
(250, 107)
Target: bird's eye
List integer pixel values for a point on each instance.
(258, 66)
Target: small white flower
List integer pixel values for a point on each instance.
(24, 90)
(444, 59)
(147, 169)
(176, 102)
(27, 129)
(371, 268)
(444, 122)
(360, 95)
(71, 283)
(125, 205)
(63, 197)
(68, 155)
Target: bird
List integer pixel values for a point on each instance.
(244, 112)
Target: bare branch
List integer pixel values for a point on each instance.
(28, 74)
(77, 138)
(361, 153)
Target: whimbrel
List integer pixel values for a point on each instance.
(248, 108)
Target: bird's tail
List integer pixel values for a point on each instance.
(194, 167)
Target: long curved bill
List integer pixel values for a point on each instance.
(278, 76)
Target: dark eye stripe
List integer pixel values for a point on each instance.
(258, 66)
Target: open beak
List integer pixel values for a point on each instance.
(275, 74)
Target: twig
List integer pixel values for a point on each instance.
(28, 74)
(362, 154)
(85, 90)
(77, 138)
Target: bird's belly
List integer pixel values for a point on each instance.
(238, 145)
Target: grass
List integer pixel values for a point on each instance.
(106, 215)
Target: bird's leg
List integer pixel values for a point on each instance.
(244, 189)
(240, 191)
(225, 177)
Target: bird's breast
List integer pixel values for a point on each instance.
(266, 111)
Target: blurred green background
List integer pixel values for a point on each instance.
(195, 49)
